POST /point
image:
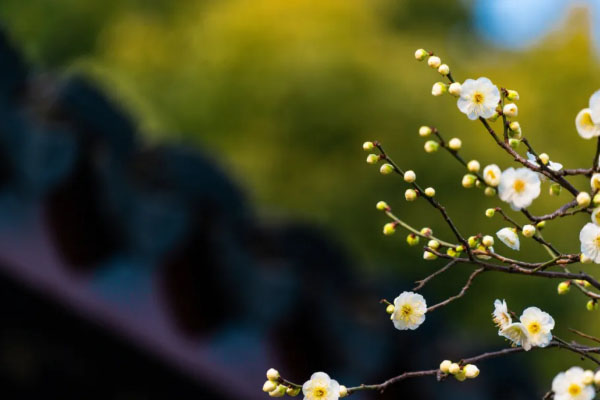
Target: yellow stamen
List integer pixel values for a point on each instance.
(574, 389)
(519, 185)
(534, 327)
(478, 98)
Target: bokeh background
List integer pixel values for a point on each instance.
(185, 201)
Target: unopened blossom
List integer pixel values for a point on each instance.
(570, 385)
(409, 311)
(519, 187)
(587, 120)
(478, 98)
(539, 325)
(321, 387)
(509, 237)
(455, 89)
(492, 174)
(516, 332)
(595, 182)
(510, 110)
(590, 242)
(501, 317)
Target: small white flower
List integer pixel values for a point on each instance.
(554, 166)
(478, 98)
(510, 110)
(321, 387)
(516, 333)
(519, 187)
(501, 318)
(569, 386)
(491, 175)
(509, 237)
(590, 242)
(539, 325)
(409, 311)
(455, 89)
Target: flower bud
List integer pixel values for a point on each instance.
(343, 391)
(455, 89)
(455, 144)
(439, 88)
(487, 241)
(429, 192)
(444, 69)
(489, 191)
(468, 181)
(471, 371)
(269, 386)
(410, 176)
(293, 392)
(555, 189)
(588, 377)
(583, 283)
(510, 110)
(454, 368)
(484, 249)
(584, 199)
(434, 62)
(382, 206)
(431, 146)
(386, 169)
(433, 244)
(595, 182)
(421, 54)
(490, 212)
(541, 224)
(473, 241)
(597, 378)
(451, 252)
(515, 126)
(412, 239)
(429, 256)
(426, 231)
(445, 366)
(459, 248)
(410, 195)
(563, 287)
(584, 259)
(512, 95)
(544, 158)
(368, 146)
(424, 131)
(494, 117)
(528, 230)
(514, 143)
(460, 376)
(591, 305)
(596, 199)
(372, 159)
(272, 374)
(473, 166)
(390, 309)
(278, 392)
(389, 228)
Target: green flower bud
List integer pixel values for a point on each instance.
(431, 146)
(382, 206)
(386, 169)
(368, 146)
(372, 159)
(421, 54)
(389, 228)
(555, 189)
(490, 212)
(425, 131)
(563, 287)
(514, 143)
(591, 305)
(390, 309)
(412, 239)
(489, 191)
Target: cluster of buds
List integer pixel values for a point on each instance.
(439, 88)
(276, 387)
(460, 372)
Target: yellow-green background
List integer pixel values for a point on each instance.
(283, 93)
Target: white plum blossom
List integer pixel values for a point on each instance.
(321, 387)
(539, 325)
(478, 98)
(570, 385)
(590, 242)
(491, 175)
(509, 237)
(519, 187)
(501, 316)
(409, 311)
(554, 166)
(516, 332)
(587, 120)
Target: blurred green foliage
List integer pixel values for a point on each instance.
(285, 92)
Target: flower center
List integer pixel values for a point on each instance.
(574, 389)
(534, 327)
(519, 185)
(319, 392)
(406, 311)
(478, 97)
